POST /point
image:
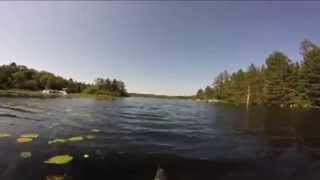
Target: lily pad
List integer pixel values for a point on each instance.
(31, 135)
(25, 154)
(95, 130)
(90, 136)
(3, 135)
(60, 159)
(57, 141)
(76, 138)
(24, 140)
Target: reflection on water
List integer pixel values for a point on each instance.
(158, 128)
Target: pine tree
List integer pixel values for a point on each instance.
(200, 94)
(255, 80)
(278, 82)
(277, 75)
(310, 74)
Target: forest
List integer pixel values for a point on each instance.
(13, 76)
(280, 81)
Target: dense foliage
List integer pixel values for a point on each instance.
(107, 87)
(278, 82)
(15, 76)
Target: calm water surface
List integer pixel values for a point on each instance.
(146, 126)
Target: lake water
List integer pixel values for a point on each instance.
(189, 139)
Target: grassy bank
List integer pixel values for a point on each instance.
(25, 93)
(39, 94)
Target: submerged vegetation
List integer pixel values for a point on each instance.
(17, 81)
(280, 81)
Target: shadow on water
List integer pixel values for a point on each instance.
(135, 167)
(281, 127)
(144, 167)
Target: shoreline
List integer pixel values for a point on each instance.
(216, 101)
(17, 93)
(159, 96)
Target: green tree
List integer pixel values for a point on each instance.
(255, 81)
(310, 74)
(277, 74)
(277, 82)
(106, 87)
(200, 94)
(219, 85)
(208, 93)
(306, 46)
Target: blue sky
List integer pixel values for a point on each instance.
(165, 47)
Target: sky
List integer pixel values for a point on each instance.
(159, 47)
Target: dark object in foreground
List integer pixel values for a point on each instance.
(133, 167)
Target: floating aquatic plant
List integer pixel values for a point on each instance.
(3, 135)
(95, 130)
(71, 139)
(57, 141)
(90, 136)
(25, 154)
(24, 140)
(76, 138)
(60, 159)
(31, 135)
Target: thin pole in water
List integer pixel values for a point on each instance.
(248, 97)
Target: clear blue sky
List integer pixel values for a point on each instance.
(169, 48)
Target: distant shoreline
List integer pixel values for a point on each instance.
(25, 93)
(38, 94)
(159, 96)
(16, 93)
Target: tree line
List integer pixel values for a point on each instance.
(107, 87)
(13, 76)
(280, 81)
